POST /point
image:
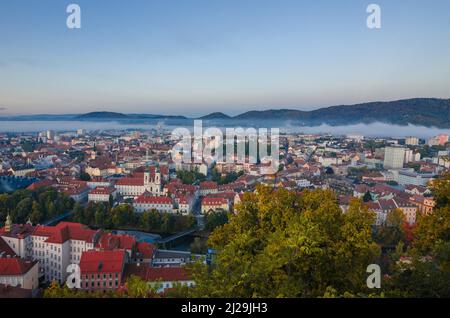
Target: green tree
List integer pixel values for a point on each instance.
(36, 214)
(280, 244)
(367, 197)
(215, 219)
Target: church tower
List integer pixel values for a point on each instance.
(146, 178)
(157, 176)
(8, 224)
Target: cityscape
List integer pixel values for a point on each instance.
(164, 151)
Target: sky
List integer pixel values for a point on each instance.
(193, 57)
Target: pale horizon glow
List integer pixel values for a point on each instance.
(196, 57)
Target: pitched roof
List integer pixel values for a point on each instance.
(5, 250)
(214, 201)
(110, 241)
(145, 250)
(13, 266)
(103, 261)
(65, 231)
(153, 200)
(166, 274)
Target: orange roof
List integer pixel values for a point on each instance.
(14, 266)
(166, 274)
(214, 201)
(110, 241)
(153, 200)
(65, 231)
(104, 261)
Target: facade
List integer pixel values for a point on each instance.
(214, 204)
(169, 258)
(406, 177)
(394, 158)
(54, 247)
(102, 270)
(208, 187)
(18, 272)
(166, 278)
(138, 183)
(147, 203)
(412, 141)
(102, 194)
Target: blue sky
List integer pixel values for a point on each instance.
(193, 57)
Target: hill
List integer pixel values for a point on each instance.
(102, 115)
(417, 111)
(216, 115)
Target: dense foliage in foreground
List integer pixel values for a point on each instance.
(281, 244)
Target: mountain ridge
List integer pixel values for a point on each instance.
(428, 112)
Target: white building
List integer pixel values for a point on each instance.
(147, 203)
(409, 176)
(138, 183)
(412, 141)
(15, 271)
(394, 158)
(102, 194)
(54, 247)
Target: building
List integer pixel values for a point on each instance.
(102, 194)
(394, 158)
(147, 202)
(166, 278)
(213, 204)
(406, 177)
(208, 187)
(54, 247)
(19, 272)
(412, 141)
(140, 182)
(50, 134)
(425, 205)
(440, 140)
(169, 258)
(161, 278)
(409, 210)
(185, 203)
(102, 270)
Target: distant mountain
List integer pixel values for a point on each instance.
(102, 115)
(418, 111)
(216, 115)
(426, 112)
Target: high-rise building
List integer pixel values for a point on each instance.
(412, 141)
(50, 134)
(394, 157)
(440, 140)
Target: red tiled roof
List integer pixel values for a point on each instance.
(40, 184)
(214, 201)
(208, 185)
(145, 250)
(102, 190)
(130, 181)
(65, 231)
(13, 266)
(18, 231)
(110, 241)
(225, 195)
(5, 250)
(153, 200)
(104, 261)
(166, 274)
